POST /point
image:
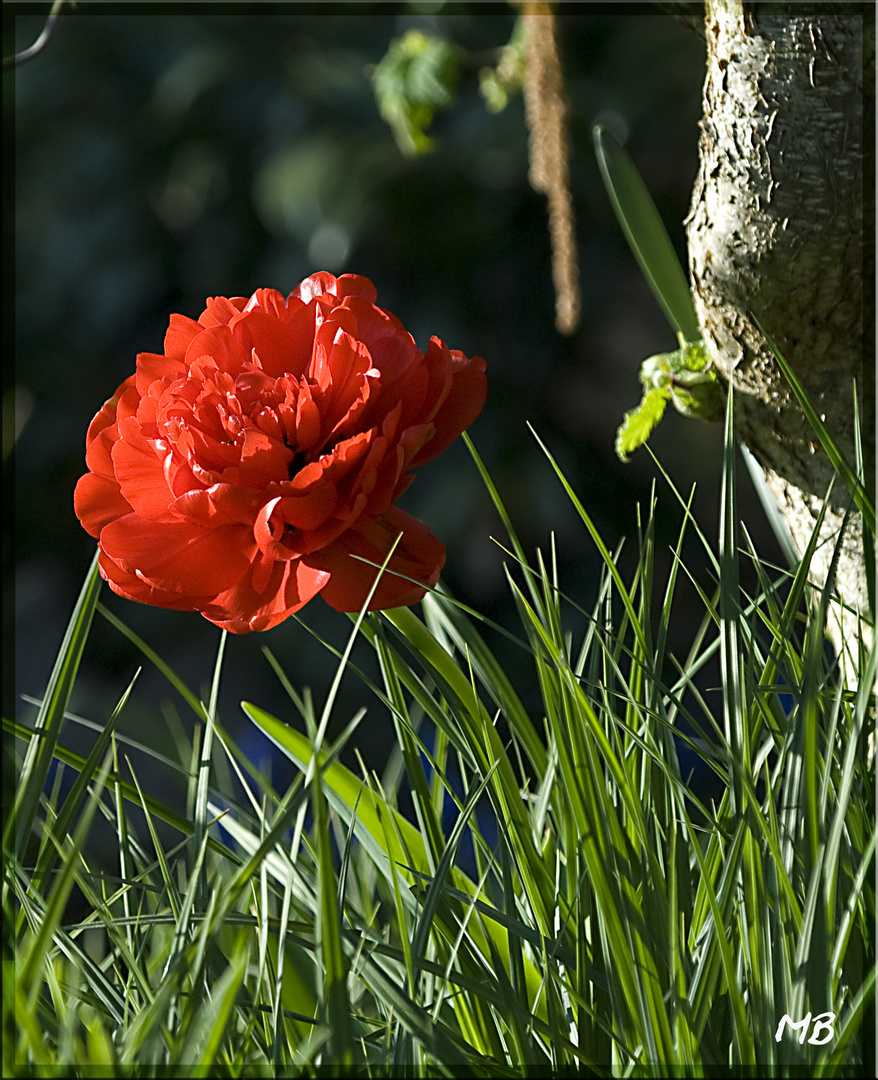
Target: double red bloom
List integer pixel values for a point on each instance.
(257, 461)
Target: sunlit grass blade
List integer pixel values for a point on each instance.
(646, 234)
(202, 1045)
(769, 503)
(47, 728)
(609, 561)
(79, 792)
(329, 945)
(345, 791)
(487, 748)
(496, 499)
(173, 678)
(730, 611)
(431, 901)
(444, 614)
(203, 782)
(36, 955)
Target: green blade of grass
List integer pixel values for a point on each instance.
(400, 843)
(345, 791)
(730, 611)
(608, 559)
(38, 954)
(499, 505)
(160, 809)
(173, 678)
(47, 728)
(646, 234)
(203, 781)
(441, 612)
(431, 901)
(106, 996)
(719, 904)
(171, 888)
(79, 792)
(205, 1035)
(336, 1002)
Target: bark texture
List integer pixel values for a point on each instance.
(776, 231)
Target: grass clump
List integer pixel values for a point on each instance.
(558, 899)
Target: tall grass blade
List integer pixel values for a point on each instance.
(336, 1002)
(35, 769)
(646, 234)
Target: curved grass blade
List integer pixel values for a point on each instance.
(205, 1036)
(79, 793)
(334, 991)
(51, 715)
(129, 791)
(33, 958)
(398, 842)
(345, 791)
(646, 234)
(203, 781)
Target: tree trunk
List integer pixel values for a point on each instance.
(776, 231)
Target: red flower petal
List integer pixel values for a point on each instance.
(462, 403)
(355, 285)
(283, 516)
(392, 349)
(107, 413)
(179, 335)
(263, 459)
(318, 285)
(177, 556)
(270, 301)
(288, 587)
(418, 555)
(98, 456)
(98, 501)
(222, 348)
(221, 310)
(220, 504)
(270, 338)
(153, 367)
(346, 455)
(127, 404)
(349, 387)
(139, 469)
(134, 588)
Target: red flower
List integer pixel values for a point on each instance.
(242, 471)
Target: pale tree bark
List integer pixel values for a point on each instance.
(776, 231)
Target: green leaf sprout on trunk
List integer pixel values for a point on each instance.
(687, 378)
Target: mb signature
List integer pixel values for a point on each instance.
(822, 1024)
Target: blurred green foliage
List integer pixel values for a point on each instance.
(417, 76)
(162, 156)
(500, 83)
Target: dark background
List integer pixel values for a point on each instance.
(163, 155)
